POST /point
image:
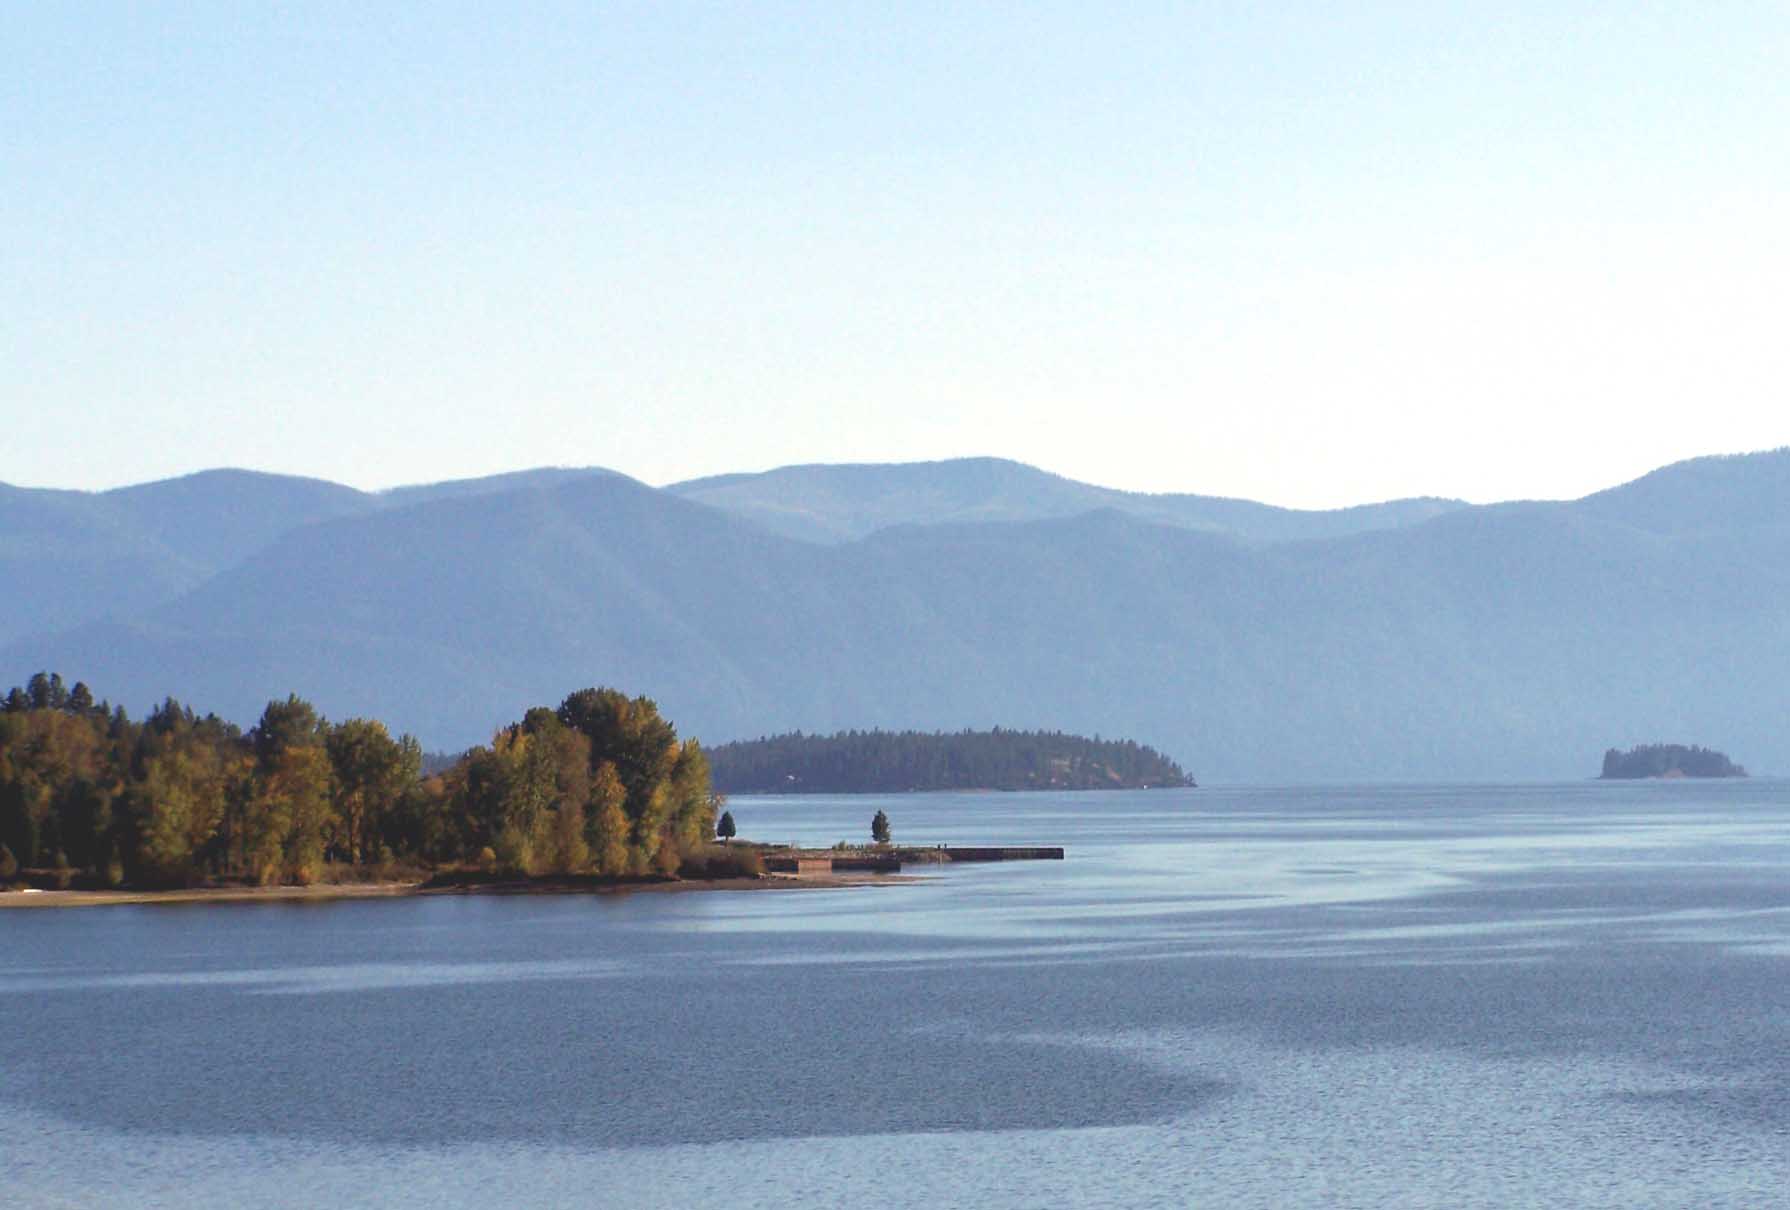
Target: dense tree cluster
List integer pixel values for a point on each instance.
(1668, 760)
(887, 761)
(600, 785)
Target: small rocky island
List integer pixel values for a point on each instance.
(1667, 760)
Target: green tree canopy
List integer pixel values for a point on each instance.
(600, 784)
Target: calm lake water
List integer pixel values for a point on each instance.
(1268, 997)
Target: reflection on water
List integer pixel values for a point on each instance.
(310, 980)
(1309, 996)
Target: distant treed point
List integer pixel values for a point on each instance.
(1667, 760)
(889, 762)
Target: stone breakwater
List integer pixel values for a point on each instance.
(1031, 853)
(890, 861)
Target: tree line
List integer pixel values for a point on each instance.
(852, 762)
(599, 785)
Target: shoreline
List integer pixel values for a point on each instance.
(323, 893)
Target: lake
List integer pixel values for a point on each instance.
(1305, 996)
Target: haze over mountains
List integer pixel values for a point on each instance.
(838, 503)
(1413, 639)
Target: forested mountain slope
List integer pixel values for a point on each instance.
(78, 556)
(1502, 641)
(82, 556)
(85, 556)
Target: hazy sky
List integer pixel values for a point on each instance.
(1307, 253)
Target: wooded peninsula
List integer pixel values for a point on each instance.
(1667, 760)
(884, 762)
(599, 787)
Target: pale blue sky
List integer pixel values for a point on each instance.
(1313, 254)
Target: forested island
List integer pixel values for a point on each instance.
(600, 787)
(882, 762)
(1667, 760)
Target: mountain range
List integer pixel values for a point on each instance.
(1406, 640)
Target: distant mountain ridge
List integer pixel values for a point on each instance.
(114, 554)
(1458, 642)
(838, 503)
(92, 555)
